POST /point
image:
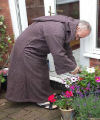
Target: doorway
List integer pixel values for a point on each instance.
(37, 8)
(34, 8)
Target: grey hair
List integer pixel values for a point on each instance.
(84, 25)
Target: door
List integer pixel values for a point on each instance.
(64, 7)
(34, 8)
(37, 8)
(67, 8)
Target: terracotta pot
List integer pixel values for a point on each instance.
(67, 114)
(94, 119)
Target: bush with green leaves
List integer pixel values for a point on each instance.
(5, 41)
(87, 76)
(88, 81)
(87, 107)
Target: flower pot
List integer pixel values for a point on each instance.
(67, 114)
(94, 119)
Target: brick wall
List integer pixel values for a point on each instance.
(4, 10)
(94, 62)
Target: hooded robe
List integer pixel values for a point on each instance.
(28, 76)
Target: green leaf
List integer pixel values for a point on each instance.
(3, 80)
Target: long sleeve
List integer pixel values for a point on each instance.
(55, 40)
(69, 52)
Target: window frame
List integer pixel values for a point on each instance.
(64, 1)
(88, 47)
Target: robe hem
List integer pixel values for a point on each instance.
(26, 100)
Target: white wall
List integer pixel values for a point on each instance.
(18, 16)
(88, 13)
(23, 14)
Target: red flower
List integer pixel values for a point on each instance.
(51, 98)
(80, 78)
(68, 94)
(71, 93)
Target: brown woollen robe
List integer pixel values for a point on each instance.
(28, 76)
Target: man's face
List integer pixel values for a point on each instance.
(81, 33)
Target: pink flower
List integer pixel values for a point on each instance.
(1, 72)
(71, 93)
(68, 94)
(87, 88)
(5, 72)
(72, 87)
(51, 98)
(97, 79)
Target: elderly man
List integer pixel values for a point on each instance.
(28, 77)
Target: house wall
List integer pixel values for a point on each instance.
(95, 62)
(4, 10)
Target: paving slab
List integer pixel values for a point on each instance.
(26, 111)
(35, 113)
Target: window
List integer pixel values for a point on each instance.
(90, 47)
(68, 8)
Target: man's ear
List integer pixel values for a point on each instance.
(78, 28)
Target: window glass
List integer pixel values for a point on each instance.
(68, 8)
(35, 8)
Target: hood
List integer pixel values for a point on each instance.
(55, 18)
(70, 24)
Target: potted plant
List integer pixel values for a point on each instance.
(85, 87)
(82, 95)
(64, 102)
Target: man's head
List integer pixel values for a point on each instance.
(83, 30)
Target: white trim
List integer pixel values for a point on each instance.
(18, 16)
(91, 55)
(96, 51)
(88, 45)
(23, 14)
(47, 4)
(13, 13)
(66, 1)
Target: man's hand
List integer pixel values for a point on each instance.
(76, 70)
